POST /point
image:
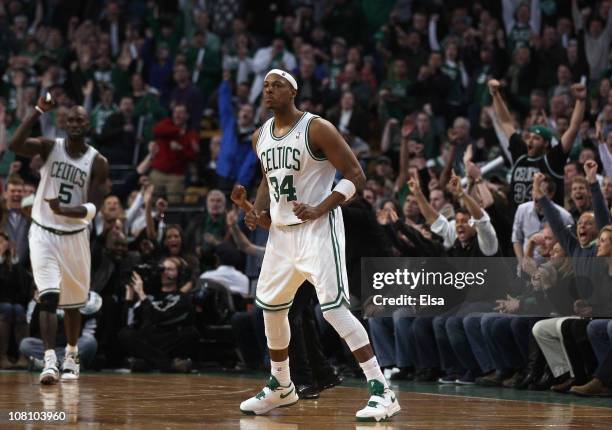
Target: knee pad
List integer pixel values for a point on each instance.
(347, 326)
(48, 302)
(277, 329)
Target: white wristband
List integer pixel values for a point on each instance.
(39, 109)
(91, 211)
(346, 188)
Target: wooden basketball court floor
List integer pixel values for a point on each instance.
(210, 401)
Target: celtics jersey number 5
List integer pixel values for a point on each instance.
(66, 179)
(293, 171)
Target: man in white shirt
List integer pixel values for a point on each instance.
(529, 220)
(226, 273)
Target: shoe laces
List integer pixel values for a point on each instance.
(50, 361)
(272, 385)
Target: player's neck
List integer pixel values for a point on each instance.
(76, 147)
(287, 117)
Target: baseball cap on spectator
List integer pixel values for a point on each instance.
(227, 254)
(543, 132)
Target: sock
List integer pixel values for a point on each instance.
(50, 353)
(72, 349)
(371, 369)
(280, 370)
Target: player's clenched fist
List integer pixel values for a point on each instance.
(305, 212)
(250, 219)
(239, 197)
(45, 103)
(54, 204)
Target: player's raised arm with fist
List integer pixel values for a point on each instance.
(21, 143)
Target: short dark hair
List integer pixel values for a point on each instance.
(463, 211)
(14, 179)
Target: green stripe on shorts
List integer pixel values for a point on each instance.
(268, 307)
(337, 264)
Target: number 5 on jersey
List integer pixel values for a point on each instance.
(286, 188)
(65, 193)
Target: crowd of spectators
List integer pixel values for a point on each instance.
(428, 95)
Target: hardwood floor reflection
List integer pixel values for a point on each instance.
(146, 401)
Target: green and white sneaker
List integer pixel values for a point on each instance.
(50, 372)
(271, 397)
(70, 367)
(382, 405)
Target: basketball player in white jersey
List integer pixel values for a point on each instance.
(299, 154)
(72, 185)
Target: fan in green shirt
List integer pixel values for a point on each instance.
(398, 100)
(146, 106)
(207, 71)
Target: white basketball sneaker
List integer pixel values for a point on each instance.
(70, 367)
(271, 397)
(382, 405)
(50, 372)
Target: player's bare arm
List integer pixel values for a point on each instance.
(98, 189)
(22, 144)
(323, 137)
(579, 92)
(501, 109)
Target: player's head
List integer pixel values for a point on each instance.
(538, 140)
(279, 90)
(77, 122)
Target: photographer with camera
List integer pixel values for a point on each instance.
(159, 328)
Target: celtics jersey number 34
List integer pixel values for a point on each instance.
(293, 171)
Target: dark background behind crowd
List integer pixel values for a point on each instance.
(426, 93)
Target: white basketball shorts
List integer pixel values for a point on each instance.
(61, 264)
(312, 251)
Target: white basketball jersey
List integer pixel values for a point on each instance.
(294, 173)
(67, 179)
